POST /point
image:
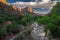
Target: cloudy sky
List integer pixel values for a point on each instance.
(24, 3)
(27, 2)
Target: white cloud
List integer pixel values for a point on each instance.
(28, 3)
(45, 0)
(24, 4)
(31, 4)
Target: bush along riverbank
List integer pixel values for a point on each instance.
(11, 24)
(52, 22)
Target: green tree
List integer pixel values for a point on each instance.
(27, 18)
(3, 31)
(13, 28)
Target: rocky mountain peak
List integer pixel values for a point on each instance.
(13, 6)
(12, 9)
(28, 9)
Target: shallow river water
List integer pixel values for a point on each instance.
(37, 33)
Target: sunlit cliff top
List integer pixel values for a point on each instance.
(3, 1)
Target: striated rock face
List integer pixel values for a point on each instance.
(28, 10)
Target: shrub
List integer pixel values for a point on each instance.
(3, 31)
(52, 20)
(13, 28)
(27, 18)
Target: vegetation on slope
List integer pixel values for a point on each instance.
(10, 23)
(52, 21)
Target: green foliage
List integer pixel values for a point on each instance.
(27, 18)
(2, 17)
(43, 20)
(16, 20)
(3, 31)
(51, 26)
(52, 20)
(13, 28)
(11, 17)
(57, 22)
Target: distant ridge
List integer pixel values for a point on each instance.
(12, 9)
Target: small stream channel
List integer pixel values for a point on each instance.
(37, 33)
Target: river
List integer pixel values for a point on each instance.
(38, 30)
(37, 33)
